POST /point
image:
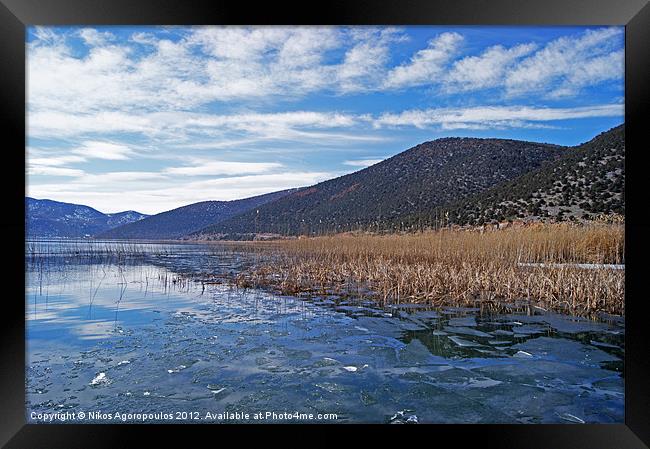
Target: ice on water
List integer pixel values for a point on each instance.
(246, 350)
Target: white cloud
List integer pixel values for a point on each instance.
(262, 61)
(104, 79)
(567, 64)
(46, 35)
(208, 64)
(241, 43)
(56, 161)
(58, 124)
(591, 72)
(279, 181)
(215, 131)
(144, 38)
(493, 117)
(266, 61)
(255, 121)
(211, 167)
(112, 77)
(362, 162)
(103, 150)
(427, 64)
(119, 177)
(486, 70)
(175, 126)
(364, 64)
(92, 37)
(35, 170)
(150, 198)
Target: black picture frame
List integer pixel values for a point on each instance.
(15, 15)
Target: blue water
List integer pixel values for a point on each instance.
(111, 338)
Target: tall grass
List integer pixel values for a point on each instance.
(459, 267)
(477, 267)
(545, 243)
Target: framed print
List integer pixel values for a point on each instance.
(263, 220)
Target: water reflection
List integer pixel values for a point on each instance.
(136, 335)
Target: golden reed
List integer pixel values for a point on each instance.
(461, 267)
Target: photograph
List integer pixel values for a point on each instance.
(315, 224)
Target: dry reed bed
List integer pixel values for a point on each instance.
(457, 267)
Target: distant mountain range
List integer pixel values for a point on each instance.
(184, 220)
(465, 181)
(47, 218)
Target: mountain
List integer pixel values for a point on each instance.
(122, 218)
(588, 180)
(184, 220)
(47, 218)
(465, 181)
(419, 179)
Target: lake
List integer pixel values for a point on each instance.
(146, 339)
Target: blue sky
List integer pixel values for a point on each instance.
(153, 118)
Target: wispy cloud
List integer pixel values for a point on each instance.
(151, 197)
(213, 168)
(36, 169)
(362, 162)
(486, 70)
(103, 150)
(56, 161)
(93, 37)
(297, 126)
(365, 63)
(493, 117)
(427, 64)
(98, 180)
(281, 125)
(565, 65)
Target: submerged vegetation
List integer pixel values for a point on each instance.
(41, 251)
(537, 264)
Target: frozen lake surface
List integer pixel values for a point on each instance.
(110, 337)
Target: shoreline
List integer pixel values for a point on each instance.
(578, 269)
